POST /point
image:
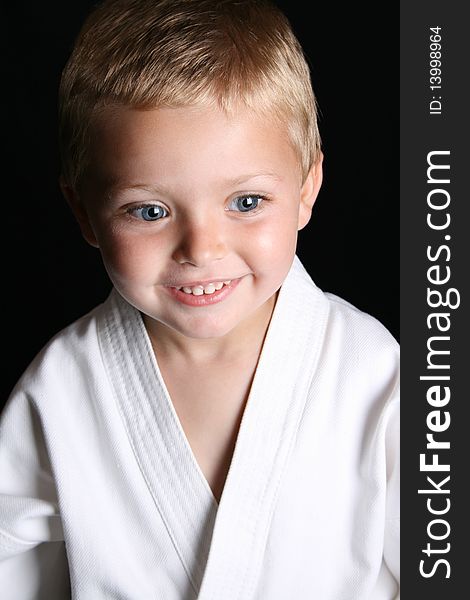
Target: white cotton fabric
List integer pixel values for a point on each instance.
(102, 498)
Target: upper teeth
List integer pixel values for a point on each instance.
(199, 290)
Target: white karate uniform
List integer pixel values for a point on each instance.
(94, 463)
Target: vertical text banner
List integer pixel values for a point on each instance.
(435, 316)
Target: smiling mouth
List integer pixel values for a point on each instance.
(207, 289)
(204, 294)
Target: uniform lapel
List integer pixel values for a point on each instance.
(265, 439)
(178, 487)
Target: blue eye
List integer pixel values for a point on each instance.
(247, 203)
(150, 212)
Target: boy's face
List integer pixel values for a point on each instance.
(192, 198)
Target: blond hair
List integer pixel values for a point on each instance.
(172, 53)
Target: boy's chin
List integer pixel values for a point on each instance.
(206, 330)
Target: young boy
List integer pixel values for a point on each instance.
(219, 428)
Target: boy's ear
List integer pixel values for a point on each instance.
(79, 211)
(309, 192)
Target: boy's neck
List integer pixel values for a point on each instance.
(246, 339)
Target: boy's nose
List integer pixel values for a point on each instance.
(201, 243)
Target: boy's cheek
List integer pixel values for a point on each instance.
(276, 237)
(130, 259)
(130, 276)
(269, 246)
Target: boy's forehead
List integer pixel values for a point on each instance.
(134, 147)
(114, 121)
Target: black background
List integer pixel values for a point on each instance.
(350, 247)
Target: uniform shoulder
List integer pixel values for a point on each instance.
(357, 321)
(76, 333)
(69, 350)
(347, 325)
(366, 346)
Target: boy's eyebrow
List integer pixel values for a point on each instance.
(152, 188)
(249, 176)
(160, 189)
